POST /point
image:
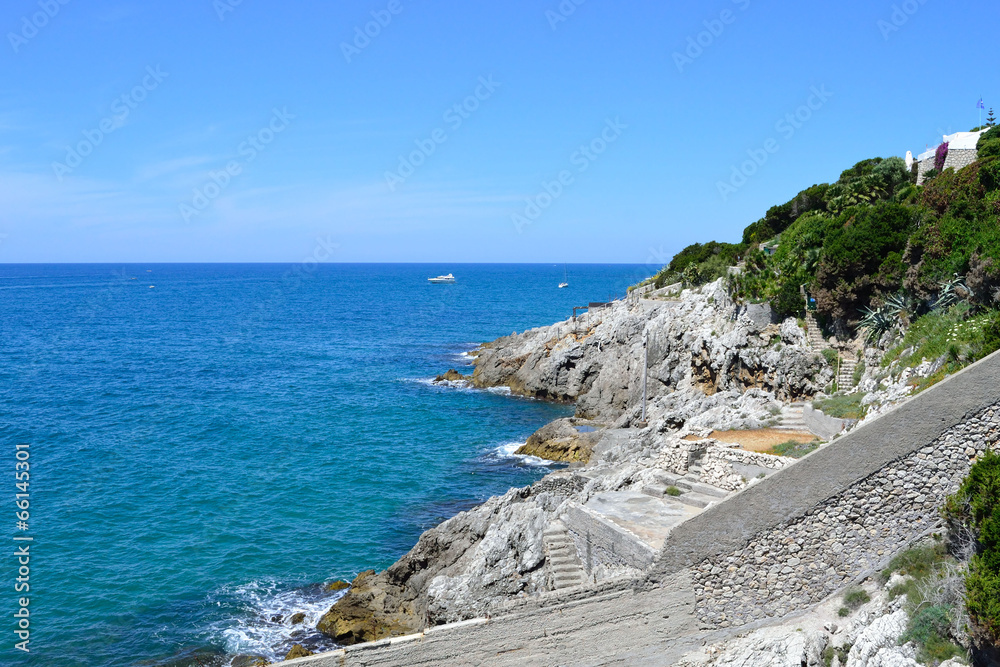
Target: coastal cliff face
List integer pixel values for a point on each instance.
(711, 367)
(704, 351)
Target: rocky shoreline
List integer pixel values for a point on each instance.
(713, 365)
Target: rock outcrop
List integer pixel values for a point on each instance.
(571, 440)
(298, 651)
(700, 347)
(451, 376)
(710, 367)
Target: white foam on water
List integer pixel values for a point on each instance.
(502, 391)
(508, 451)
(265, 627)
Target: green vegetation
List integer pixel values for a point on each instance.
(855, 598)
(795, 449)
(929, 629)
(840, 652)
(673, 491)
(842, 407)
(831, 356)
(933, 602)
(955, 336)
(976, 507)
(874, 250)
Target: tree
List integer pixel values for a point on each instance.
(991, 119)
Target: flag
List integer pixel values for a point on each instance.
(979, 105)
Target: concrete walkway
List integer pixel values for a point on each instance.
(614, 627)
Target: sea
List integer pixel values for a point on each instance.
(208, 445)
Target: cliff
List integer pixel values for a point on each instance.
(713, 366)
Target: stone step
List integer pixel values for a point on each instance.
(666, 479)
(564, 568)
(708, 490)
(698, 500)
(561, 557)
(562, 549)
(564, 559)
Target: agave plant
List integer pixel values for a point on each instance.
(902, 306)
(875, 323)
(951, 292)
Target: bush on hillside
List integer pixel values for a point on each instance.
(989, 174)
(788, 302)
(977, 507)
(862, 255)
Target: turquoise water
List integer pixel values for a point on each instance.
(204, 451)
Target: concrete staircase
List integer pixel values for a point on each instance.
(562, 561)
(791, 418)
(845, 379)
(845, 375)
(814, 334)
(693, 492)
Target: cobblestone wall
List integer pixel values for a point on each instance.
(808, 558)
(956, 160)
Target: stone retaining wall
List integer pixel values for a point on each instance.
(719, 461)
(808, 558)
(605, 549)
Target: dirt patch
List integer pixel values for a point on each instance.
(758, 440)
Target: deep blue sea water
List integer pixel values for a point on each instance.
(209, 442)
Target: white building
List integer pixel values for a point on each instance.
(961, 153)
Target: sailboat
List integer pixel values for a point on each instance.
(565, 282)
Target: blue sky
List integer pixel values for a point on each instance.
(253, 134)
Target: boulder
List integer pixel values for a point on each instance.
(570, 440)
(451, 376)
(297, 618)
(249, 661)
(298, 651)
(338, 585)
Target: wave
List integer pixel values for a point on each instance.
(508, 452)
(264, 625)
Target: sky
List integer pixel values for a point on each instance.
(412, 131)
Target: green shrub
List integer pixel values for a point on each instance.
(831, 356)
(919, 562)
(861, 255)
(788, 301)
(989, 173)
(673, 491)
(843, 612)
(977, 505)
(795, 449)
(855, 598)
(928, 628)
(859, 372)
(842, 407)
